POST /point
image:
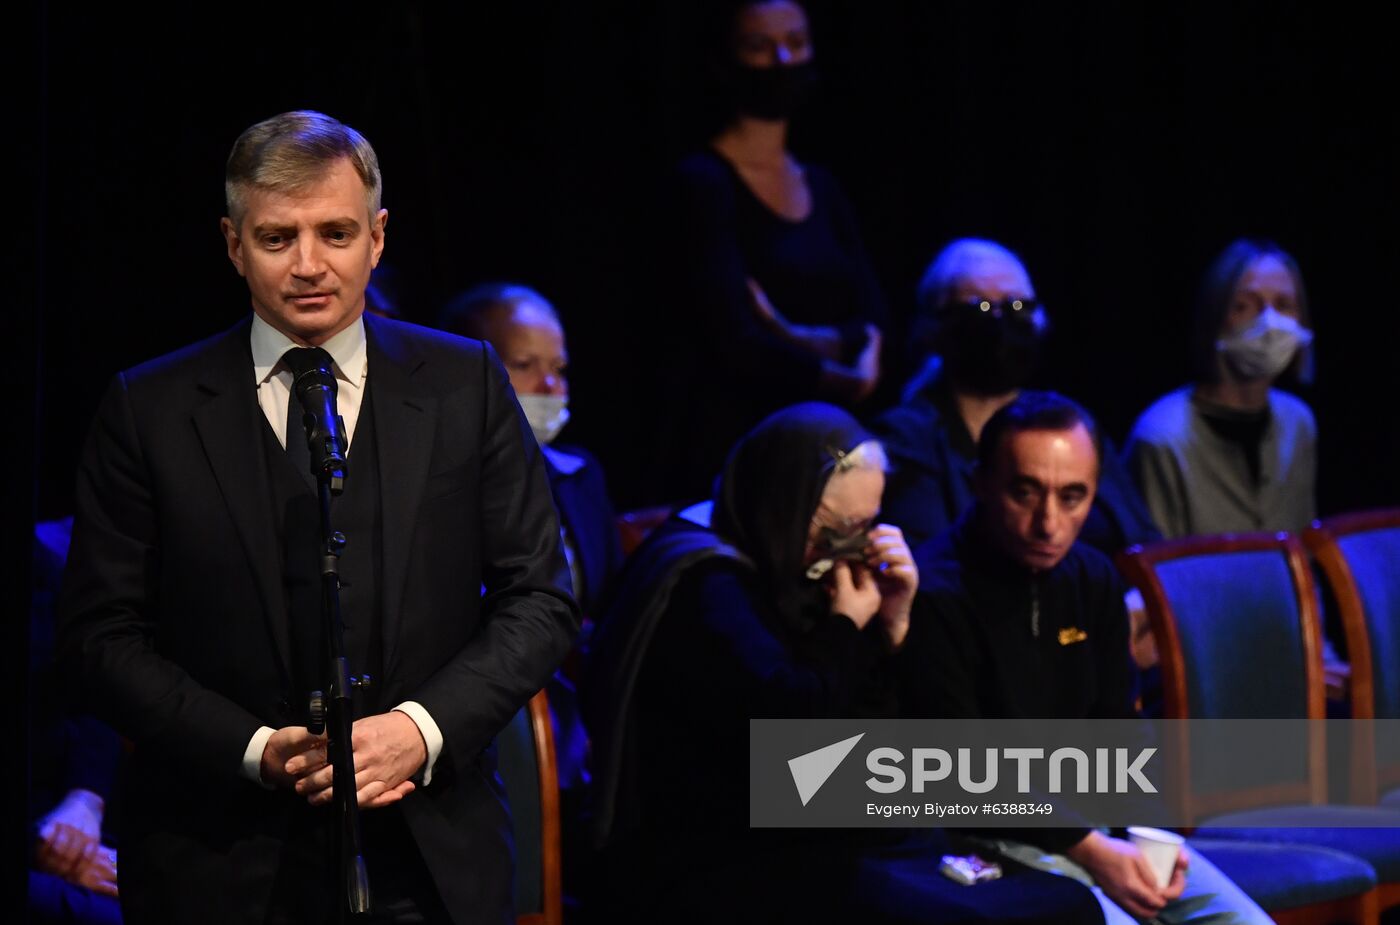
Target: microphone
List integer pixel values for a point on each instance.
(314, 385)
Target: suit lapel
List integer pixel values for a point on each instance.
(566, 501)
(229, 425)
(405, 418)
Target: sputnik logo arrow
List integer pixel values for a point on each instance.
(811, 770)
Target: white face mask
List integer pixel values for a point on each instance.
(547, 415)
(1264, 348)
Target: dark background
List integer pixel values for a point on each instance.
(1117, 150)
(1117, 147)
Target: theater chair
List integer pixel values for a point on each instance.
(1297, 884)
(1235, 620)
(1360, 557)
(526, 761)
(634, 526)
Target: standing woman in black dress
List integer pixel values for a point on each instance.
(777, 302)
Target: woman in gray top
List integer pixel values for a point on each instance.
(1231, 453)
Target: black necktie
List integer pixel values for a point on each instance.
(298, 360)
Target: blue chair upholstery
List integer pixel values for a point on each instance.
(1372, 557)
(520, 772)
(525, 761)
(1282, 876)
(1357, 553)
(1236, 623)
(1238, 626)
(1333, 827)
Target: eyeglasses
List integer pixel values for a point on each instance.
(825, 522)
(1004, 307)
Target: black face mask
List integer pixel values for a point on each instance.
(991, 355)
(774, 92)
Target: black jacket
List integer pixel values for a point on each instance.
(990, 639)
(576, 480)
(174, 617)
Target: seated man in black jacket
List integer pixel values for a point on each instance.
(1016, 619)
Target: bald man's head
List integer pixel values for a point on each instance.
(523, 328)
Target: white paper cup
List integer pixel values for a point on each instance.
(1161, 849)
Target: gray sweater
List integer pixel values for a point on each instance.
(1197, 482)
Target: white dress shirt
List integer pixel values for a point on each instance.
(274, 381)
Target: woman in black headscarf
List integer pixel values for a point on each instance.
(782, 599)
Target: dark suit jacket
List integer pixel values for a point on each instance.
(173, 614)
(576, 480)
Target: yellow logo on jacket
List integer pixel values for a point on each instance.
(1072, 634)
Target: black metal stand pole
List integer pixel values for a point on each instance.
(332, 709)
(337, 710)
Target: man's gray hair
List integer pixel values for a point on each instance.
(293, 150)
(867, 455)
(954, 263)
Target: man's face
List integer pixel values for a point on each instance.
(307, 254)
(531, 345)
(1035, 499)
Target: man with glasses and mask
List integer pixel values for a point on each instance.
(980, 332)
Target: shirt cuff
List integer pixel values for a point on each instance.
(432, 736)
(252, 756)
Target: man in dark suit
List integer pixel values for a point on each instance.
(191, 605)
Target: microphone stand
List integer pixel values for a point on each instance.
(334, 712)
